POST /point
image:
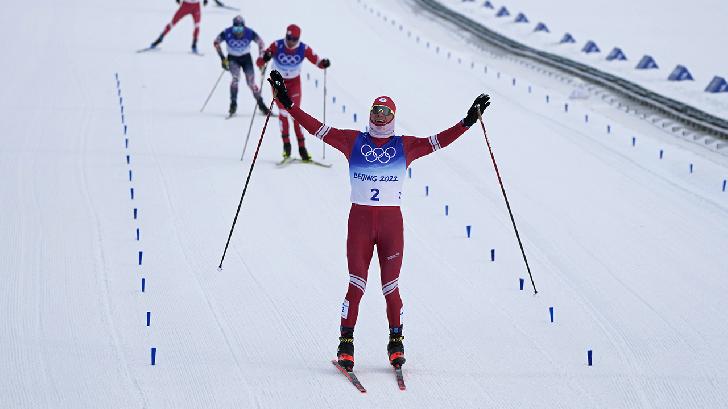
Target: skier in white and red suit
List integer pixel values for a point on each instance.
(191, 7)
(378, 160)
(288, 54)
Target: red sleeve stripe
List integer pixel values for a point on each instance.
(322, 132)
(434, 142)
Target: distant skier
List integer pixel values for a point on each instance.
(187, 7)
(378, 160)
(287, 55)
(238, 39)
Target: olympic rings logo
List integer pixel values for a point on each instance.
(286, 59)
(239, 43)
(378, 154)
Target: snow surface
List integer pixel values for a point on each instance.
(628, 248)
(689, 33)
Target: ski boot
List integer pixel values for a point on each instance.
(305, 157)
(261, 105)
(395, 348)
(157, 41)
(345, 352)
(286, 150)
(233, 108)
(194, 47)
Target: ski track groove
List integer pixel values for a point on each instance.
(213, 310)
(101, 264)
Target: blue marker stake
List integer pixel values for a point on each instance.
(149, 318)
(691, 168)
(634, 141)
(447, 210)
(316, 83)
(137, 233)
(129, 175)
(520, 284)
(547, 99)
(514, 82)
(485, 69)
(467, 231)
(586, 117)
(529, 89)
(140, 257)
(497, 75)
(427, 190)
(566, 107)
(589, 357)
(551, 313)
(661, 153)
(124, 129)
(144, 284)
(126, 143)
(343, 108)
(128, 159)
(409, 172)
(609, 129)
(135, 213)
(131, 190)
(123, 121)
(308, 76)
(154, 356)
(492, 254)
(724, 182)
(333, 100)
(354, 117)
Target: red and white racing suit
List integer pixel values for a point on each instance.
(377, 170)
(187, 7)
(288, 62)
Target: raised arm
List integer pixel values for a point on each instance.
(341, 139)
(418, 147)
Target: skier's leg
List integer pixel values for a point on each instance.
(390, 249)
(196, 17)
(283, 123)
(250, 79)
(359, 251)
(235, 73)
(181, 12)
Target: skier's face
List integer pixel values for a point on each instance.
(291, 41)
(381, 115)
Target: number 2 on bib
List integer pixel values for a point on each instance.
(375, 195)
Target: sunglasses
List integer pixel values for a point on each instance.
(238, 29)
(291, 38)
(381, 110)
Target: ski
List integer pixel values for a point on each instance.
(144, 50)
(312, 162)
(350, 376)
(285, 162)
(225, 6)
(400, 377)
(230, 116)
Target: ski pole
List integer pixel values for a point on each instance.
(255, 109)
(503, 190)
(250, 172)
(213, 90)
(322, 142)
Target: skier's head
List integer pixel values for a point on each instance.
(293, 34)
(381, 117)
(238, 25)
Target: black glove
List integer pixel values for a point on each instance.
(479, 105)
(225, 63)
(279, 89)
(325, 63)
(267, 56)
